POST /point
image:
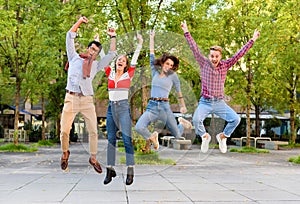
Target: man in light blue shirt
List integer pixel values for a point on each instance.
(79, 91)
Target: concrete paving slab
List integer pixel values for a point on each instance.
(196, 178)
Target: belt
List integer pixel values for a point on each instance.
(212, 99)
(74, 93)
(159, 99)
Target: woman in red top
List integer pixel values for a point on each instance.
(118, 112)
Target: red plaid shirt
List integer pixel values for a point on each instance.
(213, 79)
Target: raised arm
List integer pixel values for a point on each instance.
(256, 35)
(151, 45)
(71, 35)
(81, 20)
(200, 58)
(113, 42)
(104, 62)
(137, 50)
(152, 57)
(231, 61)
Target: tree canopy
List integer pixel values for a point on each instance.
(32, 47)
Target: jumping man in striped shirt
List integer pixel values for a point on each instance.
(213, 74)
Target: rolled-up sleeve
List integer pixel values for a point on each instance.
(70, 46)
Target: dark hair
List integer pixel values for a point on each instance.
(127, 63)
(98, 44)
(159, 61)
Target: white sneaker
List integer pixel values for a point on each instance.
(222, 143)
(154, 139)
(186, 124)
(205, 143)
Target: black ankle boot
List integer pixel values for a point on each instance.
(110, 173)
(129, 179)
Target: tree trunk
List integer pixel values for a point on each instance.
(144, 92)
(292, 121)
(16, 123)
(18, 81)
(43, 117)
(248, 109)
(248, 120)
(257, 121)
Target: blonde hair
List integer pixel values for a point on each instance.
(216, 48)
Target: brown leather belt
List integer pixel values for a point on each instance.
(74, 93)
(159, 99)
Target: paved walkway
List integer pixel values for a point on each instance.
(196, 178)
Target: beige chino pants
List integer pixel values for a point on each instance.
(72, 106)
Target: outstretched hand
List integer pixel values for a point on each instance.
(255, 35)
(111, 32)
(184, 27)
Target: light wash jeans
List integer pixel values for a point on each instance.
(218, 107)
(118, 118)
(158, 110)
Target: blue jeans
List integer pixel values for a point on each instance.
(158, 110)
(118, 118)
(218, 107)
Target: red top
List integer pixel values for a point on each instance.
(123, 82)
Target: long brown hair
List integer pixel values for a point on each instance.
(165, 56)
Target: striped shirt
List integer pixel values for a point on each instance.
(213, 79)
(123, 82)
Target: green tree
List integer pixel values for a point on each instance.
(283, 59)
(19, 46)
(239, 21)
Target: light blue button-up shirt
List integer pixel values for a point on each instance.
(75, 81)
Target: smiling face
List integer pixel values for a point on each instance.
(167, 66)
(121, 63)
(215, 55)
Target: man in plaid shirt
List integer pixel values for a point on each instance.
(213, 74)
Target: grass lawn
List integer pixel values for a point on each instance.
(249, 150)
(146, 158)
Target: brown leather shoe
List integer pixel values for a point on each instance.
(64, 162)
(96, 166)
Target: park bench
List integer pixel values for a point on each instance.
(255, 139)
(166, 140)
(9, 135)
(273, 145)
(181, 144)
